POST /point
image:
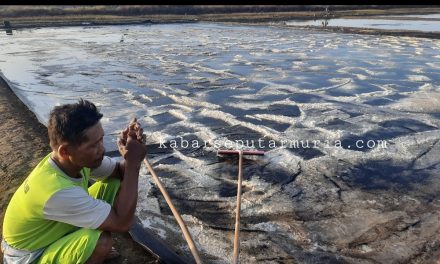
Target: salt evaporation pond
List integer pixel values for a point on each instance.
(419, 16)
(350, 125)
(385, 23)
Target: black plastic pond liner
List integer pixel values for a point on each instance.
(155, 245)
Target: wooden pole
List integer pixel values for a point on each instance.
(236, 152)
(176, 214)
(235, 257)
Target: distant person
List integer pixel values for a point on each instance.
(54, 217)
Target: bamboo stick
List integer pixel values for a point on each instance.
(176, 214)
(245, 152)
(235, 257)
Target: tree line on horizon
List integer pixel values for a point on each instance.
(137, 10)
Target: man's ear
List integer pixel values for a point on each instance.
(63, 150)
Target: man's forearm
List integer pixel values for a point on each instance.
(121, 170)
(125, 204)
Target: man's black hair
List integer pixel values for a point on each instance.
(67, 123)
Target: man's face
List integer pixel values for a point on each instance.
(91, 152)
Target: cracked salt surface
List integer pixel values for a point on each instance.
(217, 84)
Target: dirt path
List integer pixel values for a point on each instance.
(23, 143)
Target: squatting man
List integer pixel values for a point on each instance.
(54, 216)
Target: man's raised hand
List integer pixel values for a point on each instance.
(132, 139)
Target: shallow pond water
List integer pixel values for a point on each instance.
(339, 116)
